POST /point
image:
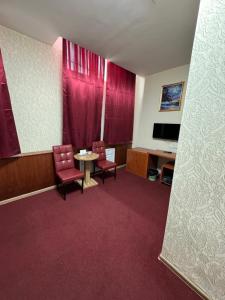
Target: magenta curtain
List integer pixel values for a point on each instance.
(119, 110)
(9, 143)
(83, 77)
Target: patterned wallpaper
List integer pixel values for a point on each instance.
(194, 240)
(33, 71)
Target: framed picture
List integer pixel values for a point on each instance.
(171, 97)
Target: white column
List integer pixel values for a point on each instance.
(103, 101)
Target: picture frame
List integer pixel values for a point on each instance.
(171, 97)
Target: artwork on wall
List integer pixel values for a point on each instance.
(171, 97)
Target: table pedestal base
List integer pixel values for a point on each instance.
(88, 181)
(88, 184)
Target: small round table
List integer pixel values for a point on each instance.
(87, 159)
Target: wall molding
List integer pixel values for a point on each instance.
(3, 202)
(30, 153)
(189, 283)
(13, 199)
(24, 154)
(31, 172)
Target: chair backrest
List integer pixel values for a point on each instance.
(63, 157)
(99, 148)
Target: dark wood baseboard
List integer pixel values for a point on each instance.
(13, 199)
(30, 172)
(187, 282)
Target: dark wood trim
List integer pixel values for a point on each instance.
(30, 172)
(31, 153)
(121, 153)
(188, 283)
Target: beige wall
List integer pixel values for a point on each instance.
(139, 98)
(194, 242)
(147, 103)
(33, 71)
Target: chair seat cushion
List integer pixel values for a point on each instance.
(105, 164)
(69, 175)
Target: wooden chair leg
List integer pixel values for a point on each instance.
(58, 188)
(58, 185)
(94, 168)
(115, 173)
(103, 176)
(61, 189)
(161, 175)
(64, 192)
(82, 186)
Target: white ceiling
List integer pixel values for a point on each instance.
(144, 36)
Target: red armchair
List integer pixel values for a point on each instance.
(102, 163)
(64, 167)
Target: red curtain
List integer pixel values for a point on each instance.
(9, 143)
(83, 77)
(119, 110)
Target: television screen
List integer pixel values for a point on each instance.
(166, 131)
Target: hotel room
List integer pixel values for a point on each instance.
(111, 161)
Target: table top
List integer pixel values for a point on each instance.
(86, 157)
(159, 153)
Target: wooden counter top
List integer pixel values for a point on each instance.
(159, 153)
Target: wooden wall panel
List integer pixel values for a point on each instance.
(121, 154)
(28, 173)
(25, 174)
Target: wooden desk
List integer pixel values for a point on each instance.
(140, 160)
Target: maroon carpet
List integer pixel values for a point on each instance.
(100, 245)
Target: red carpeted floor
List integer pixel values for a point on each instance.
(100, 245)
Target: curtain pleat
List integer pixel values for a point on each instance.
(119, 110)
(83, 76)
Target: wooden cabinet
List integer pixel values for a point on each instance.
(137, 162)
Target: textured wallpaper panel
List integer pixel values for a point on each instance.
(194, 240)
(33, 71)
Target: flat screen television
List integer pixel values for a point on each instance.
(166, 131)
